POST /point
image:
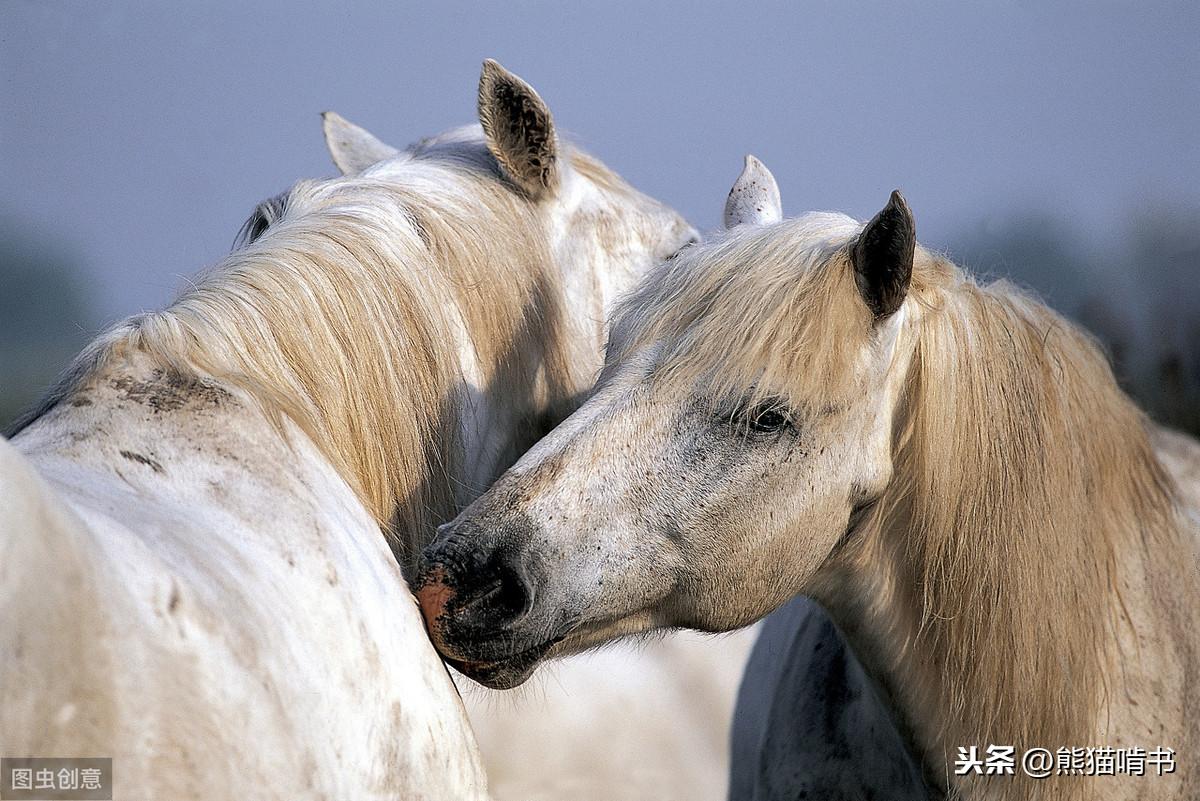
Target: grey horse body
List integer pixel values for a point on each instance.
(810, 723)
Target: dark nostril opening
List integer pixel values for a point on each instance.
(494, 594)
(503, 596)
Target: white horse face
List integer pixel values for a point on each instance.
(663, 502)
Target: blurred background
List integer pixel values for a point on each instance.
(1057, 144)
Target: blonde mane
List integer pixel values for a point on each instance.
(1021, 471)
(347, 314)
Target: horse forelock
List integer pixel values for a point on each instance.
(762, 303)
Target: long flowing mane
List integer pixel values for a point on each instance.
(346, 316)
(1021, 473)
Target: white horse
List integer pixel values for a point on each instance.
(192, 575)
(817, 406)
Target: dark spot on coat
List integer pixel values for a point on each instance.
(140, 459)
(170, 390)
(173, 601)
(81, 400)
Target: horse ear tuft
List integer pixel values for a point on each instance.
(353, 149)
(519, 130)
(754, 199)
(883, 257)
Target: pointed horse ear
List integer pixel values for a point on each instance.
(754, 199)
(353, 149)
(883, 257)
(519, 130)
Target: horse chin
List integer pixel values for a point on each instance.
(507, 673)
(590, 634)
(494, 675)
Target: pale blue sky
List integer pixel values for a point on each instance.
(141, 134)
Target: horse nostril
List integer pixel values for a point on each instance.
(500, 596)
(491, 594)
(467, 594)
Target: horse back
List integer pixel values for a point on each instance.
(209, 605)
(54, 674)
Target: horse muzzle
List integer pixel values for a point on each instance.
(476, 602)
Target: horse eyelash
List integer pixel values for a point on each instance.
(739, 415)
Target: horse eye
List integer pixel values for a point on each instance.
(768, 419)
(768, 416)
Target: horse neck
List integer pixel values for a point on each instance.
(990, 588)
(384, 339)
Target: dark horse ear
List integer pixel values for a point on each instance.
(883, 257)
(519, 130)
